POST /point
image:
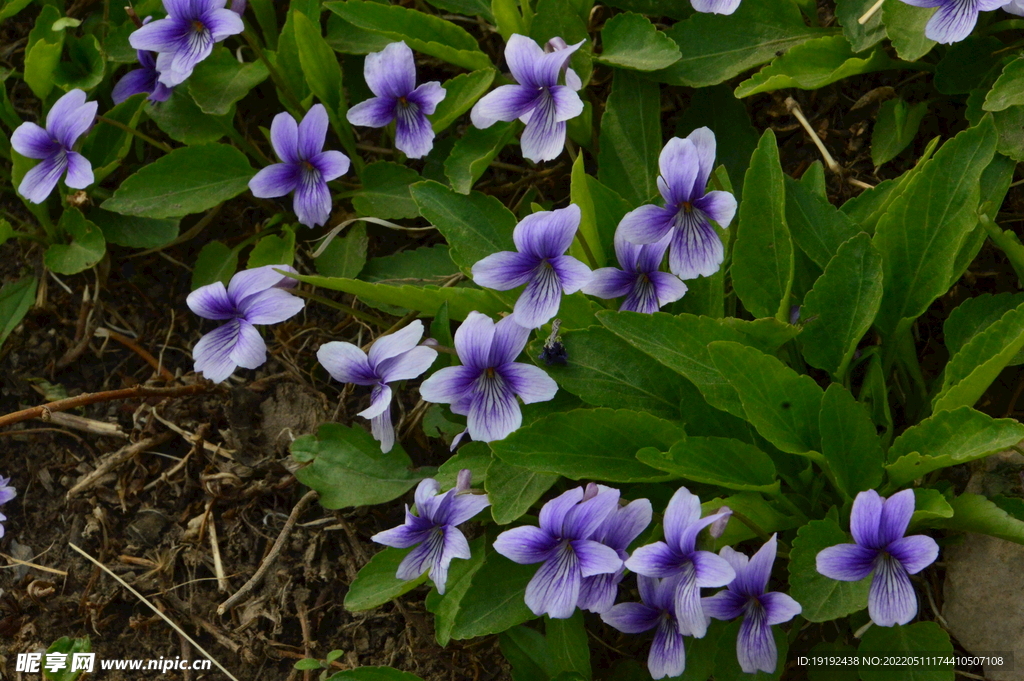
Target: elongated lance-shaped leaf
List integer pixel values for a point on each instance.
(762, 258)
(579, 192)
(631, 138)
(475, 225)
(818, 227)
(721, 461)
(849, 442)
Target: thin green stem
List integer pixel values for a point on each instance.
(246, 146)
(290, 99)
(780, 496)
(586, 249)
(1007, 25)
(132, 131)
(358, 314)
(1008, 242)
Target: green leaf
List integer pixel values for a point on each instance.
(460, 577)
(181, 118)
(1009, 125)
(108, 144)
(868, 207)
(605, 371)
(479, 8)
(133, 232)
(842, 305)
(374, 674)
(957, 73)
(895, 129)
(929, 504)
(12, 7)
(596, 444)
(348, 469)
(527, 651)
(812, 65)
(216, 262)
(861, 36)
(762, 257)
(976, 315)
(568, 645)
(16, 299)
(474, 457)
(975, 513)
(919, 638)
(495, 601)
(85, 250)
(971, 370)
(385, 192)
(344, 257)
(187, 180)
(345, 38)
(631, 41)
(630, 140)
(514, 489)
(609, 209)
(561, 18)
(579, 194)
(221, 80)
(474, 151)
(424, 33)
(905, 26)
(430, 264)
(461, 93)
(273, 250)
(823, 599)
(717, 47)
(475, 225)
(287, 56)
(85, 66)
(376, 583)
(948, 438)
(782, 404)
(116, 45)
(849, 442)
(320, 65)
(919, 235)
(308, 664)
(67, 646)
(720, 461)
(41, 62)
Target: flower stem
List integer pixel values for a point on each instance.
(275, 75)
(1008, 242)
(132, 131)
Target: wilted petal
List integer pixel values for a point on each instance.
(530, 383)
(312, 204)
(724, 605)
(391, 72)
(79, 171)
(331, 164)
(555, 588)
(632, 618)
(375, 112)
(915, 552)
(275, 180)
(284, 135)
(473, 340)
(394, 344)
(448, 385)
(494, 412)
(895, 518)
(407, 366)
(679, 164)
(573, 275)
(40, 180)
(346, 363)
(696, 248)
(508, 342)
(547, 234)
(31, 141)
(504, 270)
(526, 544)
(609, 282)
(952, 22)
(846, 562)
(865, 517)
(313, 132)
(505, 103)
(668, 655)
(211, 302)
(544, 137)
(891, 599)
(540, 300)
(719, 206)
(655, 560)
(646, 225)
(779, 607)
(755, 645)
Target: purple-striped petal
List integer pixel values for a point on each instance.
(711, 569)
(508, 342)
(609, 282)
(375, 112)
(891, 599)
(407, 366)
(540, 300)
(649, 256)
(331, 164)
(505, 103)
(752, 580)
(567, 102)
(755, 645)
(552, 514)
(211, 302)
(427, 96)
(312, 132)
(494, 412)
(411, 533)
(915, 552)
(682, 511)
(464, 507)
(31, 141)
(256, 280)
(595, 558)
(275, 180)
(346, 363)
(647, 224)
(198, 47)
(427, 497)
(573, 275)
(164, 35)
(133, 83)
(394, 344)
(679, 164)
(222, 23)
(547, 234)
(865, 517)
(597, 593)
(284, 135)
(80, 173)
(383, 430)
(719, 206)
(544, 137)
(668, 655)
(655, 560)
(391, 72)
(380, 400)
(696, 249)
(525, 545)
(270, 307)
(473, 341)
(584, 519)
(220, 352)
(448, 385)
(503, 271)
(724, 605)
(632, 618)
(846, 562)
(423, 557)
(521, 54)
(895, 518)
(642, 296)
(668, 288)
(413, 135)
(952, 22)
(779, 607)
(455, 546)
(312, 203)
(40, 180)
(703, 140)
(532, 384)
(625, 524)
(555, 588)
(687, 606)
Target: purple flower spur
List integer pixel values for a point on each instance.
(695, 247)
(657, 611)
(68, 119)
(878, 526)
(955, 19)
(678, 557)
(305, 169)
(391, 76)
(186, 37)
(142, 80)
(564, 545)
(619, 529)
(486, 385)
(538, 100)
(542, 240)
(395, 357)
(645, 288)
(256, 296)
(432, 529)
(6, 494)
(746, 597)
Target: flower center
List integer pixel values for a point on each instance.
(403, 101)
(199, 26)
(687, 206)
(489, 372)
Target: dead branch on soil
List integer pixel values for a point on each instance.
(112, 461)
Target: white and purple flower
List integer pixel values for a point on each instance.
(619, 529)
(646, 288)
(432, 529)
(395, 357)
(746, 597)
(878, 526)
(538, 100)
(955, 19)
(256, 296)
(485, 387)
(142, 80)
(305, 169)
(6, 494)
(542, 240)
(187, 36)
(677, 557)
(391, 76)
(69, 118)
(715, 6)
(667, 656)
(564, 544)
(695, 247)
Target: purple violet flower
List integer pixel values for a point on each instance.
(668, 654)
(305, 169)
(485, 387)
(696, 248)
(394, 357)
(755, 645)
(68, 119)
(678, 556)
(878, 526)
(955, 19)
(715, 6)
(563, 543)
(391, 76)
(538, 100)
(145, 79)
(256, 296)
(186, 37)
(542, 240)
(619, 529)
(646, 289)
(6, 494)
(433, 529)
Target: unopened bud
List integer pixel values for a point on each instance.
(717, 528)
(465, 481)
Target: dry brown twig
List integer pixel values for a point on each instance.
(112, 461)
